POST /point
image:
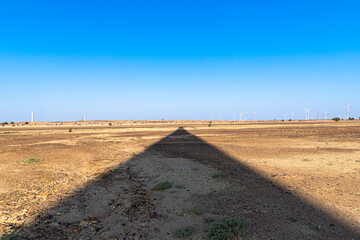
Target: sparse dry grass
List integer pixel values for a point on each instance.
(32, 160)
(162, 186)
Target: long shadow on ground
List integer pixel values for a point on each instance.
(120, 203)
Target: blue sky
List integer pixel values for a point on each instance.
(178, 59)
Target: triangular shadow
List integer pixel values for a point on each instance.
(273, 211)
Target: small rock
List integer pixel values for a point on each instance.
(54, 224)
(83, 224)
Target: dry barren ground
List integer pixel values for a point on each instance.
(287, 180)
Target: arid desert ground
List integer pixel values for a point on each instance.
(286, 180)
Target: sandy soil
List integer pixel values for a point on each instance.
(96, 181)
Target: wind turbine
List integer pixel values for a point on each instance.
(347, 111)
(325, 114)
(307, 113)
(245, 114)
(254, 115)
(240, 116)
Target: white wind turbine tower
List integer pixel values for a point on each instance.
(325, 114)
(307, 114)
(254, 115)
(347, 111)
(240, 116)
(245, 114)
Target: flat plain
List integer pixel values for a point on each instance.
(100, 179)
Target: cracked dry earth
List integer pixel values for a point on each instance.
(99, 185)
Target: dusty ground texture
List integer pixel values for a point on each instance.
(288, 180)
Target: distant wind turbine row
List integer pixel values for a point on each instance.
(242, 115)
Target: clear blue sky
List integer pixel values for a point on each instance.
(178, 59)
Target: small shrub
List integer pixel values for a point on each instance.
(227, 229)
(70, 130)
(11, 236)
(26, 122)
(215, 212)
(219, 174)
(336, 119)
(162, 186)
(110, 124)
(209, 125)
(306, 160)
(196, 210)
(209, 219)
(12, 123)
(180, 186)
(184, 232)
(316, 228)
(32, 160)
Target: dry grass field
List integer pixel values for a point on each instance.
(178, 179)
